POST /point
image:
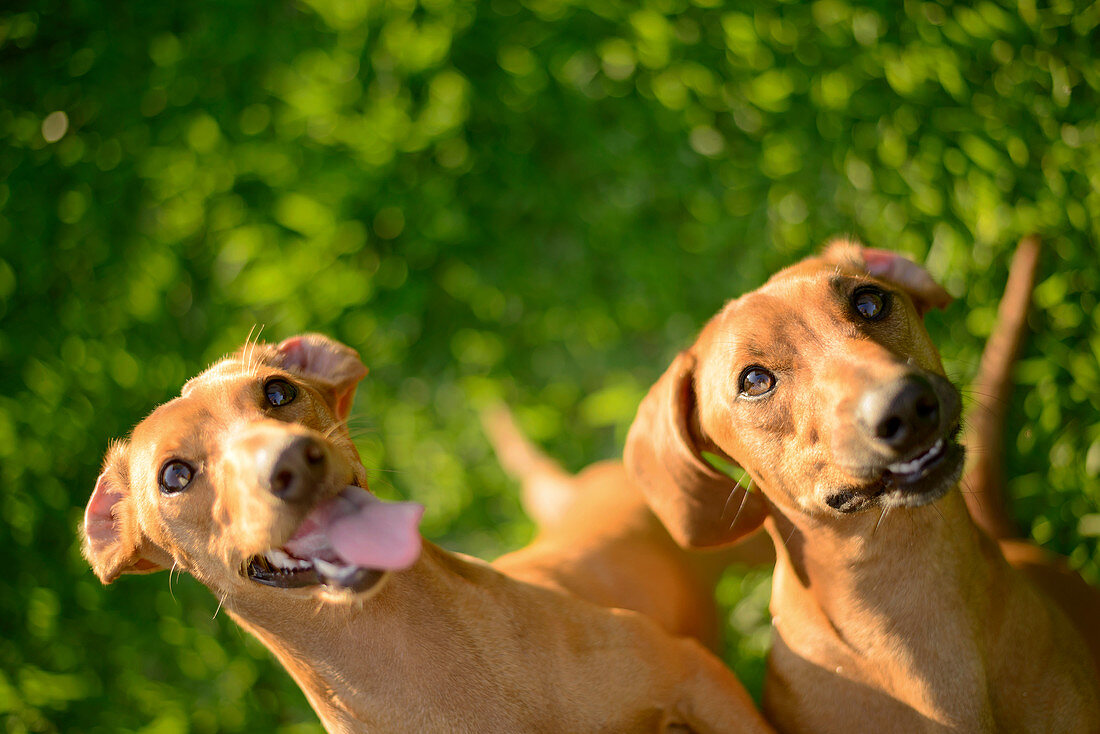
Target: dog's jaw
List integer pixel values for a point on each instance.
(346, 543)
(925, 479)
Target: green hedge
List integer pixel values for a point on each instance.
(536, 200)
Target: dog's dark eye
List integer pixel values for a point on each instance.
(175, 476)
(756, 381)
(280, 392)
(871, 303)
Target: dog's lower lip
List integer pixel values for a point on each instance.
(261, 571)
(304, 573)
(936, 471)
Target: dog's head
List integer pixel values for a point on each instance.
(823, 385)
(250, 480)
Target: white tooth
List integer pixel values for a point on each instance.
(330, 570)
(910, 466)
(281, 559)
(905, 468)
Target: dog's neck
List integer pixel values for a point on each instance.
(866, 556)
(898, 598)
(371, 664)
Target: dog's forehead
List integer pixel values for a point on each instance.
(800, 308)
(224, 388)
(223, 372)
(783, 304)
(839, 263)
(196, 408)
(166, 424)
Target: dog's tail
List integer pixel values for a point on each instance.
(548, 490)
(984, 484)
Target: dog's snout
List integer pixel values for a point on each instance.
(902, 414)
(291, 469)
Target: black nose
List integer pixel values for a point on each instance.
(290, 470)
(902, 414)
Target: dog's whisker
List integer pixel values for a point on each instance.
(249, 350)
(170, 572)
(357, 421)
(986, 405)
(252, 356)
(791, 535)
(744, 498)
(363, 433)
(733, 491)
(880, 517)
(361, 425)
(221, 602)
(729, 497)
(248, 339)
(328, 432)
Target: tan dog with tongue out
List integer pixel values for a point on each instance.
(250, 482)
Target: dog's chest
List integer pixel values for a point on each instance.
(880, 665)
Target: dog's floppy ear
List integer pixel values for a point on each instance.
(112, 539)
(699, 505)
(898, 269)
(335, 366)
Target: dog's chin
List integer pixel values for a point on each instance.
(353, 596)
(919, 481)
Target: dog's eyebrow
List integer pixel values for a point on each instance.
(842, 284)
(224, 372)
(839, 284)
(755, 352)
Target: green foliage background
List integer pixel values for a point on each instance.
(539, 200)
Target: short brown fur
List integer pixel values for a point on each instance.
(892, 611)
(448, 645)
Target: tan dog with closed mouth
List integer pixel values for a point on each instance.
(892, 611)
(250, 482)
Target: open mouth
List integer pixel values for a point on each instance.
(347, 542)
(277, 568)
(924, 478)
(906, 472)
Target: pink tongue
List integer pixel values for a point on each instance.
(377, 534)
